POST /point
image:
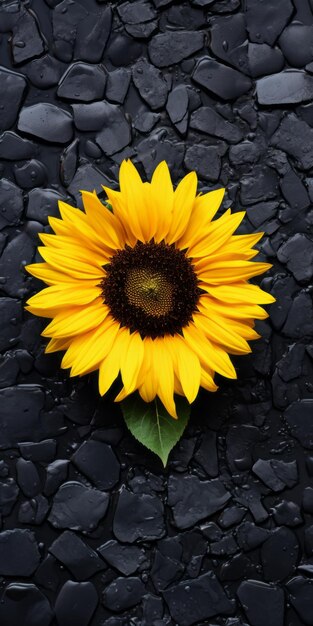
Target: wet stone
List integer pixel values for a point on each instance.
(307, 501)
(263, 59)
(20, 418)
(117, 85)
(231, 516)
(138, 517)
(156, 148)
(240, 441)
(32, 174)
(68, 163)
(193, 500)
(210, 122)
(13, 86)
(205, 160)
(300, 595)
(98, 462)
(43, 203)
(296, 44)
(299, 417)
(177, 108)
(11, 203)
(24, 599)
(56, 473)
(279, 555)
(44, 72)
(19, 554)
(126, 559)
(76, 555)
(115, 133)
(308, 540)
(221, 80)
(265, 22)
(276, 474)
(123, 593)
(262, 603)
(76, 604)
(88, 177)
(141, 11)
(206, 455)
(197, 599)
(260, 185)
(299, 321)
(82, 82)
(295, 137)
(123, 50)
(15, 148)
(27, 42)
(142, 31)
(28, 478)
(294, 191)
(9, 492)
(18, 252)
(165, 570)
(173, 46)
(261, 212)
(287, 87)
(250, 536)
(78, 507)
(287, 513)
(229, 41)
(297, 254)
(46, 121)
(150, 84)
(33, 511)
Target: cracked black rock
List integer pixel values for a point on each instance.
(82, 82)
(208, 496)
(24, 599)
(78, 507)
(221, 80)
(173, 46)
(46, 121)
(138, 516)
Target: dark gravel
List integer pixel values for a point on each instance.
(93, 531)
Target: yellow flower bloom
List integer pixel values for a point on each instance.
(153, 290)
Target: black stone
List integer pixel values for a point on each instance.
(43, 203)
(287, 513)
(279, 555)
(276, 474)
(33, 511)
(27, 42)
(18, 252)
(264, 60)
(206, 455)
(46, 121)
(173, 46)
(192, 499)
(117, 85)
(240, 442)
(10, 318)
(126, 559)
(229, 41)
(13, 86)
(76, 604)
(82, 83)
(123, 50)
(300, 595)
(261, 212)
(98, 462)
(80, 559)
(44, 72)
(210, 122)
(123, 593)
(294, 191)
(297, 253)
(141, 11)
(299, 321)
(19, 554)
(88, 177)
(138, 517)
(260, 185)
(308, 540)
(78, 507)
(15, 148)
(32, 174)
(307, 501)
(299, 417)
(266, 22)
(9, 492)
(193, 600)
(11, 203)
(28, 478)
(250, 536)
(20, 419)
(56, 474)
(177, 108)
(287, 87)
(24, 599)
(150, 84)
(295, 137)
(156, 148)
(296, 43)
(262, 603)
(231, 516)
(205, 160)
(115, 133)
(221, 80)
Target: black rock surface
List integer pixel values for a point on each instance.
(94, 532)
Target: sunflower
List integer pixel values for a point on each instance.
(150, 287)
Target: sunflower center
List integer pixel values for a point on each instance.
(151, 288)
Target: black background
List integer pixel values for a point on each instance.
(224, 535)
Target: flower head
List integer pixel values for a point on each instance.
(154, 289)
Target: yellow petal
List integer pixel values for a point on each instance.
(224, 272)
(245, 293)
(161, 198)
(132, 188)
(149, 380)
(103, 220)
(163, 367)
(184, 198)
(70, 265)
(73, 321)
(110, 366)
(208, 352)
(204, 208)
(54, 345)
(221, 333)
(218, 233)
(55, 296)
(188, 368)
(88, 350)
(45, 272)
(131, 362)
(236, 311)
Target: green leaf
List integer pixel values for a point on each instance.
(152, 425)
